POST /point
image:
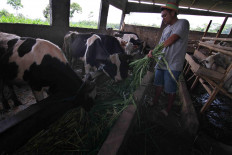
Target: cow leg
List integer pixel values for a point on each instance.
(7, 94)
(87, 68)
(13, 96)
(5, 103)
(38, 95)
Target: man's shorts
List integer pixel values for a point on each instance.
(163, 78)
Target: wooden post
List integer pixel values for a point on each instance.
(221, 28)
(121, 27)
(210, 100)
(215, 91)
(188, 69)
(194, 83)
(230, 34)
(103, 15)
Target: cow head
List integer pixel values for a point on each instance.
(120, 66)
(208, 62)
(213, 61)
(88, 93)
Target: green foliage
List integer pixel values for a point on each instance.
(112, 25)
(4, 13)
(16, 4)
(140, 24)
(213, 28)
(75, 7)
(84, 24)
(21, 19)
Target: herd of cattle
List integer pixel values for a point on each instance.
(47, 69)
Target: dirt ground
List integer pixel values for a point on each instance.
(156, 134)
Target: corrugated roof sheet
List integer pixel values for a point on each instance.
(212, 5)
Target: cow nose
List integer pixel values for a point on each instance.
(117, 79)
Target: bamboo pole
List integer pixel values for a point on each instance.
(218, 39)
(217, 88)
(222, 27)
(211, 47)
(206, 31)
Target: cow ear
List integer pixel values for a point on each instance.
(73, 36)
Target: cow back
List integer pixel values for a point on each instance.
(111, 44)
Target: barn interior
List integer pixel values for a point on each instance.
(192, 139)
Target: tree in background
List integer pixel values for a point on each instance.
(90, 15)
(46, 12)
(16, 4)
(75, 7)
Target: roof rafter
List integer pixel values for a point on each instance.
(193, 3)
(214, 5)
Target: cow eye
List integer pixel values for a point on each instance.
(207, 61)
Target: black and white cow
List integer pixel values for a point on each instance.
(98, 52)
(220, 60)
(40, 64)
(133, 43)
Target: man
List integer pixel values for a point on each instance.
(175, 39)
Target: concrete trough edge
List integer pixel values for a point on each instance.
(190, 119)
(188, 113)
(118, 135)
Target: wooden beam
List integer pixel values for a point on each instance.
(220, 47)
(216, 86)
(215, 48)
(136, 7)
(218, 39)
(202, 71)
(118, 4)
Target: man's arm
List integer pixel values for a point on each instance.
(172, 39)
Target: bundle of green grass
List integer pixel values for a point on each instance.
(141, 66)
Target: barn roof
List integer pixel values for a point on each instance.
(207, 6)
